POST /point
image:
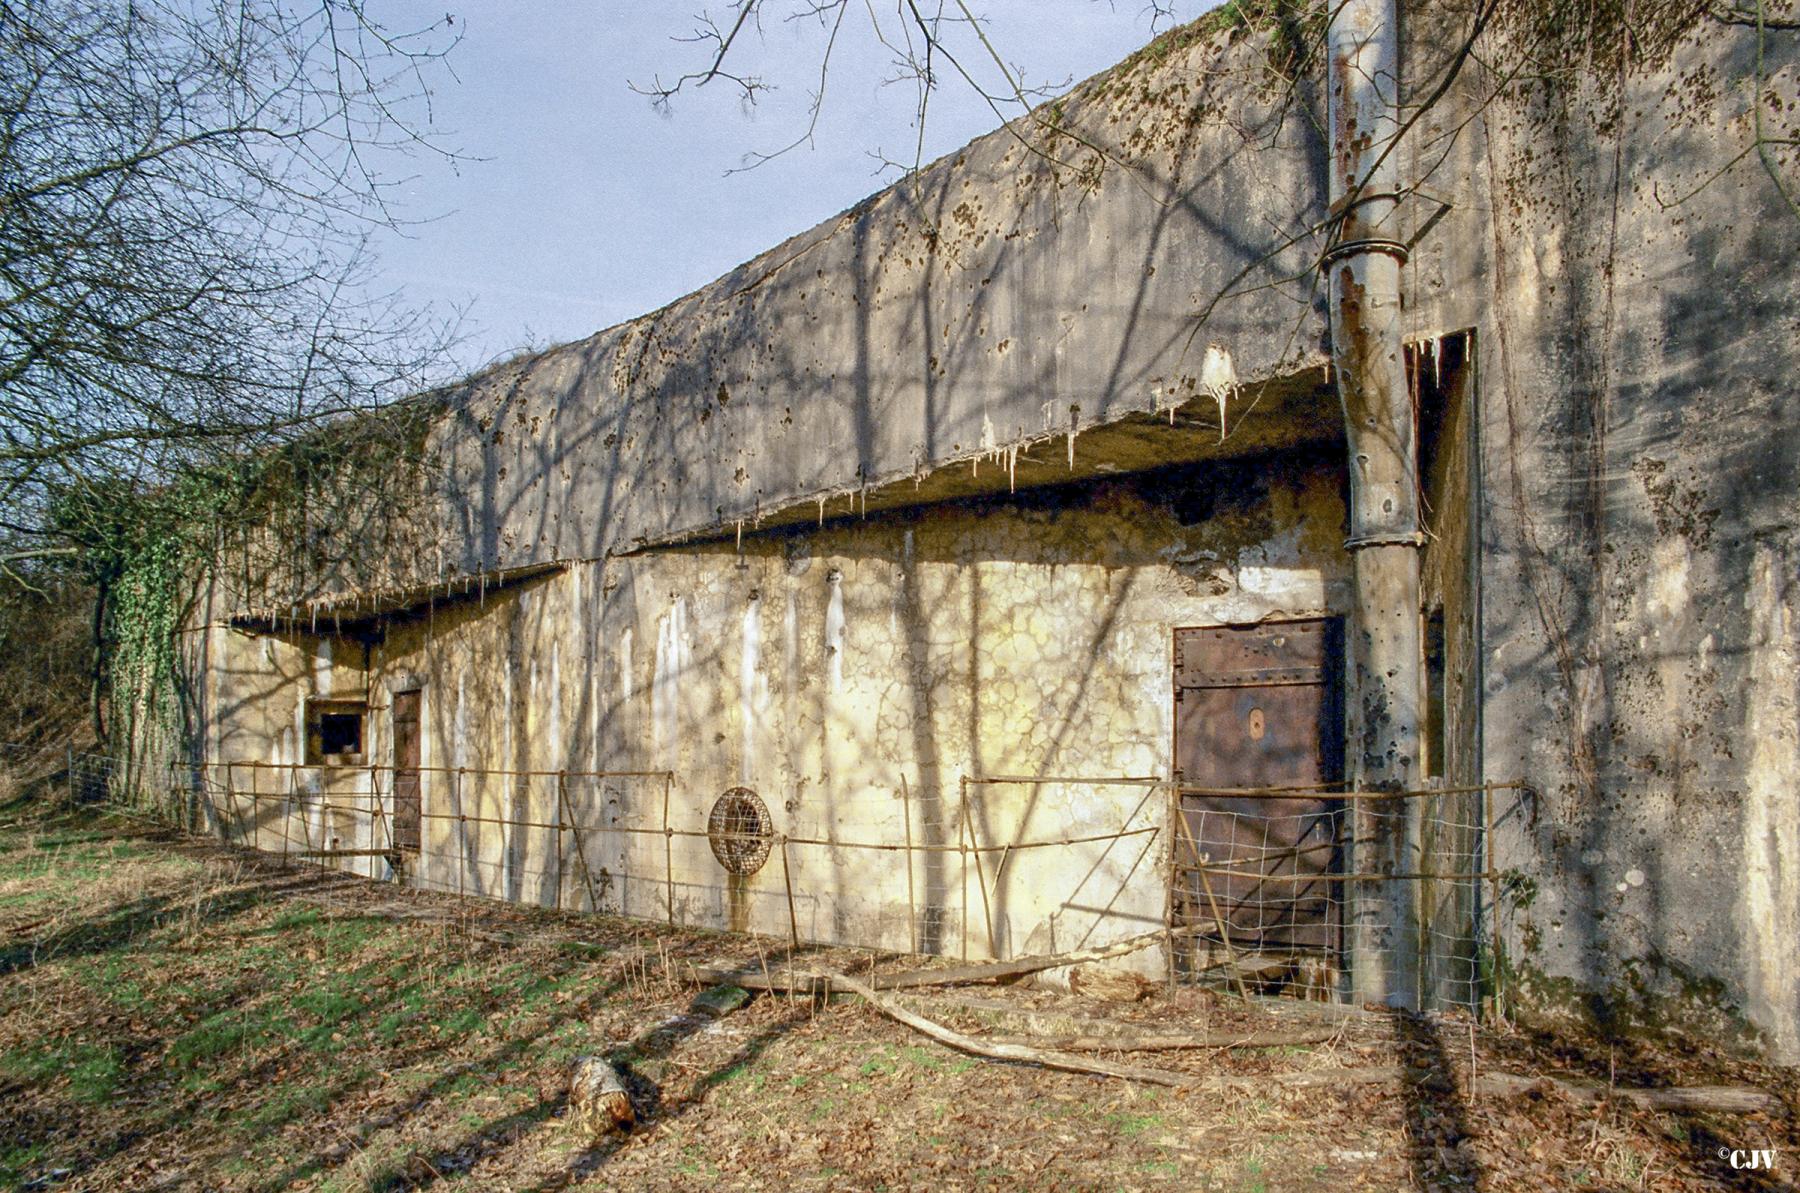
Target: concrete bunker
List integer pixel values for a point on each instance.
(949, 724)
(896, 524)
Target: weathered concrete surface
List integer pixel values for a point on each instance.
(852, 676)
(1029, 287)
(1385, 654)
(1636, 309)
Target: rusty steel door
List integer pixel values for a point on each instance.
(406, 770)
(1257, 707)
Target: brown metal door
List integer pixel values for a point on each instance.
(406, 770)
(1257, 707)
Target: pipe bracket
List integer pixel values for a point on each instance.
(1367, 244)
(1391, 538)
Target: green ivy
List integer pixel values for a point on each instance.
(147, 547)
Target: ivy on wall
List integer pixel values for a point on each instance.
(251, 524)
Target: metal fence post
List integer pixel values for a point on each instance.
(559, 838)
(668, 847)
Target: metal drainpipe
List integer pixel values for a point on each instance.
(1385, 659)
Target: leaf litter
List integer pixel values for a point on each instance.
(175, 1014)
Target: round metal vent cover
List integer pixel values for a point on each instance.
(739, 831)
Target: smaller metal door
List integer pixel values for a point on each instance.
(406, 770)
(1256, 711)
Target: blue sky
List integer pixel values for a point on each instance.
(577, 205)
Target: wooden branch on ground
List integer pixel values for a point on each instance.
(1720, 1099)
(1049, 1059)
(1176, 1042)
(1001, 971)
(961, 975)
(1063, 1052)
(773, 982)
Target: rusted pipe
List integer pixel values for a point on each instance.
(1363, 268)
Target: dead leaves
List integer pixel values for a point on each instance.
(300, 1035)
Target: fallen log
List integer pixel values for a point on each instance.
(773, 982)
(599, 1103)
(789, 982)
(999, 971)
(1064, 1055)
(1721, 1099)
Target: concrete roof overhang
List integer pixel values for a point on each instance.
(1292, 412)
(365, 613)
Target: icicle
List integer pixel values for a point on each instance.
(1218, 379)
(821, 509)
(1012, 468)
(1071, 442)
(740, 536)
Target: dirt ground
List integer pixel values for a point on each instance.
(177, 1015)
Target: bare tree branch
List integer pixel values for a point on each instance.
(187, 189)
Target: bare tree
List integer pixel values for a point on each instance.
(926, 42)
(187, 190)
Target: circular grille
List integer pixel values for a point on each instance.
(738, 831)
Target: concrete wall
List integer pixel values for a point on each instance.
(850, 675)
(1634, 300)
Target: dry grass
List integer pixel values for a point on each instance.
(176, 1015)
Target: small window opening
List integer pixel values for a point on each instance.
(334, 732)
(1435, 696)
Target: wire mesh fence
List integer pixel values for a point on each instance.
(1294, 890)
(93, 778)
(1272, 891)
(932, 874)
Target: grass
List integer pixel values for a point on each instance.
(171, 973)
(173, 1008)
(88, 1073)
